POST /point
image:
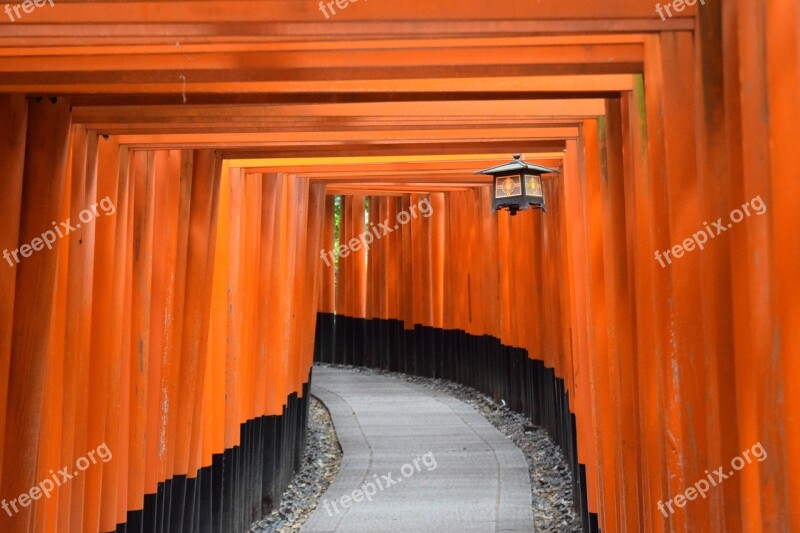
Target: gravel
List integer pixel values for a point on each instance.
(321, 461)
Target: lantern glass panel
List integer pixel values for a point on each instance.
(508, 186)
(533, 186)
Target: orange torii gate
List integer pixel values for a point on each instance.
(188, 314)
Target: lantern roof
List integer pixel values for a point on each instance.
(518, 164)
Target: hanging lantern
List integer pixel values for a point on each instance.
(518, 185)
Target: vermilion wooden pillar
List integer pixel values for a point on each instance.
(12, 150)
(506, 277)
(85, 507)
(199, 268)
(43, 188)
(781, 35)
(270, 246)
(648, 234)
(754, 334)
(395, 290)
(581, 350)
(717, 160)
(74, 302)
(114, 416)
(619, 302)
(764, 41)
(144, 185)
(164, 283)
(359, 256)
(438, 249)
(686, 216)
(602, 361)
(317, 238)
(297, 318)
(327, 284)
(78, 314)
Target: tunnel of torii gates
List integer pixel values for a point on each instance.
(198, 153)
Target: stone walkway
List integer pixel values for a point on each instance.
(416, 460)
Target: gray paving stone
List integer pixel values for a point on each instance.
(480, 482)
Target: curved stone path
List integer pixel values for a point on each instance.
(416, 460)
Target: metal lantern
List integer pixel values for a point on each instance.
(518, 185)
